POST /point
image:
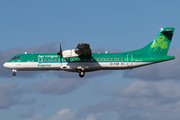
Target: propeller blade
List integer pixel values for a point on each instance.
(60, 49)
(60, 53)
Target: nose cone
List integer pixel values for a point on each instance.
(5, 65)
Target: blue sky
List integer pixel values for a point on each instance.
(150, 92)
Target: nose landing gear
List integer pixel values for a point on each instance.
(14, 72)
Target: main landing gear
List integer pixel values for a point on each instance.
(14, 72)
(81, 73)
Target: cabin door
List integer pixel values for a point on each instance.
(129, 60)
(30, 61)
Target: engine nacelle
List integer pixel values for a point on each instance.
(81, 49)
(69, 53)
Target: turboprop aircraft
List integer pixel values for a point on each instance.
(82, 60)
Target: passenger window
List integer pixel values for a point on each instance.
(109, 58)
(50, 59)
(56, 59)
(43, 59)
(18, 57)
(53, 59)
(99, 59)
(116, 59)
(103, 59)
(106, 59)
(113, 59)
(119, 58)
(46, 59)
(39, 59)
(123, 58)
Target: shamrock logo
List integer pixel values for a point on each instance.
(160, 43)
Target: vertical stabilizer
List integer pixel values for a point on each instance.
(160, 45)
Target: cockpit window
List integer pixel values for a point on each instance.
(15, 58)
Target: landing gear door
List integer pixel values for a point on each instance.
(129, 60)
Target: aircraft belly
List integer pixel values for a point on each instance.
(88, 65)
(74, 66)
(85, 66)
(137, 64)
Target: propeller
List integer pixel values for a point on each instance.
(60, 53)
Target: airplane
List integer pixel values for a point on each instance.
(82, 60)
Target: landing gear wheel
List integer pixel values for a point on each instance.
(14, 74)
(81, 74)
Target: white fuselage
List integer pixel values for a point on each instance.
(87, 66)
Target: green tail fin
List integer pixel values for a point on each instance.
(160, 45)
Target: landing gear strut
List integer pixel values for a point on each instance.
(81, 73)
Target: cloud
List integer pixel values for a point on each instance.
(159, 71)
(37, 116)
(28, 101)
(64, 114)
(140, 100)
(42, 105)
(10, 95)
(167, 89)
(96, 116)
(29, 114)
(57, 86)
(132, 116)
